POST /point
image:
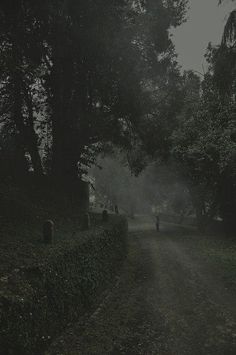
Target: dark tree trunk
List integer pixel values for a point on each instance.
(58, 118)
(28, 140)
(19, 123)
(32, 137)
(34, 152)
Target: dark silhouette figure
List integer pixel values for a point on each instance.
(157, 223)
(105, 216)
(116, 209)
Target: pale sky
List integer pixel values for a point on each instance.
(205, 23)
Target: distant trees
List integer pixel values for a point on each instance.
(115, 185)
(223, 57)
(197, 138)
(205, 150)
(77, 74)
(229, 35)
(192, 127)
(204, 144)
(155, 186)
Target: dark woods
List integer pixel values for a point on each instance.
(72, 76)
(77, 77)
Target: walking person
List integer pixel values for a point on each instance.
(157, 223)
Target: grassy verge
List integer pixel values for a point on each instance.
(38, 300)
(42, 287)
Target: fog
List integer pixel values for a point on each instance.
(156, 190)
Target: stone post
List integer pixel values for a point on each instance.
(86, 222)
(48, 232)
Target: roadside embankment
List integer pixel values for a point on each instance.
(61, 282)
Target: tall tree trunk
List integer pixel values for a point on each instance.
(58, 134)
(28, 139)
(19, 123)
(32, 137)
(32, 145)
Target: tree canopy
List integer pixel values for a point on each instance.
(74, 74)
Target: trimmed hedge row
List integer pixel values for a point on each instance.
(37, 302)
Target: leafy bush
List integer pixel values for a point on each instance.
(37, 301)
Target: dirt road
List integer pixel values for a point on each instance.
(168, 300)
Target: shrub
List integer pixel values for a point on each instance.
(38, 301)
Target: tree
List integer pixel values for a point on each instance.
(204, 148)
(223, 57)
(20, 75)
(229, 35)
(89, 63)
(105, 97)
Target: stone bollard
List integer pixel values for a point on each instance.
(48, 232)
(86, 222)
(105, 216)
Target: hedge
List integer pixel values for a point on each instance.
(38, 301)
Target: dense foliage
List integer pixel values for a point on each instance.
(194, 130)
(204, 148)
(205, 143)
(37, 301)
(74, 75)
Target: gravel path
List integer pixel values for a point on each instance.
(168, 300)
